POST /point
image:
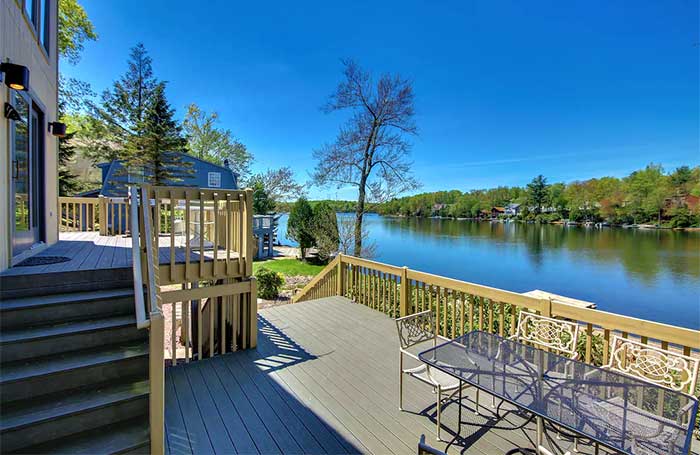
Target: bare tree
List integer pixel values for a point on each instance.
(346, 238)
(371, 151)
(279, 184)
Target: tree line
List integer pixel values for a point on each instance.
(649, 195)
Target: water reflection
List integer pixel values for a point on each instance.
(643, 273)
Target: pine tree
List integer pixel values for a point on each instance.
(153, 150)
(124, 106)
(68, 183)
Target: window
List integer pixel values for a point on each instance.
(38, 12)
(214, 180)
(30, 9)
(46, 18)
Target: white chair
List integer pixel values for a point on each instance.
(414, 330)
(662, 367)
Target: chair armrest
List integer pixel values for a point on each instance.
(410, 354)
(684, 410)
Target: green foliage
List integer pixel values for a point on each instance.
(537, 194)
(74, 29)
(647, 195)
(216, 145)
(150, 151)
(68, 183)
(325, 230)
(300, 226)
(124, 106)
(262, 204)
(269, 283)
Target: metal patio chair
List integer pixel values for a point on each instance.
(662, 367)
(414, 330)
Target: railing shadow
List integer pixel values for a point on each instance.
(250, 398)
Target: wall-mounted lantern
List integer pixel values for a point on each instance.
(16, 76)
(11, 113)
(58, 129)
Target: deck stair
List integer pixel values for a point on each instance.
(73, 365)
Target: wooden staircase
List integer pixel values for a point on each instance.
(73, 365)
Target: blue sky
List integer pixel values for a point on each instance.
(505, 90)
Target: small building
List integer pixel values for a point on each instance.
(497, 211)
(512, 209)
(204, 174)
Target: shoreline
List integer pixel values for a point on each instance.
(591, 224)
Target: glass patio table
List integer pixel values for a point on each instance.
(623, 413)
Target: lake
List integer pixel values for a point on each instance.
(649, 274)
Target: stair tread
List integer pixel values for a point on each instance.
(64, 328)
(70, 297)
(42, 409)
(55, 363)
(115, 438)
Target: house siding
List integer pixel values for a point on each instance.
(19, 44)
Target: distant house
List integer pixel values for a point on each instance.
(497, 211)
(204, 175)
(512, 209)
(115, 182)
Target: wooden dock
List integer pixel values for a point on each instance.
(538, 294)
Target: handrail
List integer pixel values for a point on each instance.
(139, 303)
(460, 306)
(151, 261)
(310, 285)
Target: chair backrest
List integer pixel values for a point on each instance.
(659, 366)
(415, 328)
(548, 333)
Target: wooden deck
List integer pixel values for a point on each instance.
(324, 379)
(90, 251)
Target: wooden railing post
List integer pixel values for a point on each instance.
(102, 218)
(403, 303)
(248, 239)
(340, 276)
(253, 313)
(156, 378)
(546, 307)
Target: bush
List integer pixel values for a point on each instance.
(269, 283)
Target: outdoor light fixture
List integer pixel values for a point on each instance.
(16, 76)
(58, 129)
(11, 113)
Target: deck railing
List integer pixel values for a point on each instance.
(108, 216)
(192, 252)
(460, 306)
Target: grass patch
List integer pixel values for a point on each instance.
(289, 267)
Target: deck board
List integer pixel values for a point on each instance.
(90, 250)
(325, 373)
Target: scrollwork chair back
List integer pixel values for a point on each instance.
(415, 328)
(548, 333)
(659, 366)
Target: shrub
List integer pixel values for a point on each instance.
(300, 226)
(269, 283)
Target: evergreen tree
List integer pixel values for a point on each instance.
(68, 183)
(151, 152)
(300, 226)
(124, 106)
(326, 234)
(262, 203)
(537, 193)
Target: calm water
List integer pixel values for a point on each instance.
(642, 273)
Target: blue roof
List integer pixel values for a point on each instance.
(204, 175)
